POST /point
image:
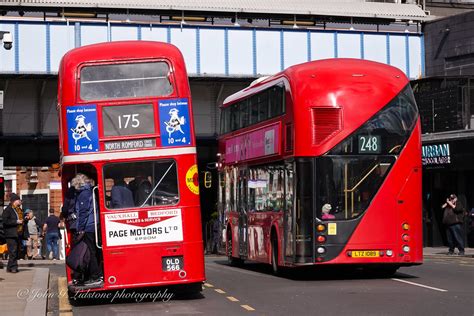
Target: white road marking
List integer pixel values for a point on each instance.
(420, 285)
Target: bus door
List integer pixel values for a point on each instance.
(243, 209)
(289, 215)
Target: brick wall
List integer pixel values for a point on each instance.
(37, 180)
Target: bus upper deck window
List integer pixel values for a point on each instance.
(117, 81)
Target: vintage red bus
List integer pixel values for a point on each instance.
(321, 164)
(125, 118)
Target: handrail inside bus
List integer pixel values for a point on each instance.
(359, 183)
(156, 186)
(127, 79)
(95, 216)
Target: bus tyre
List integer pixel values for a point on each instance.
(275, 269)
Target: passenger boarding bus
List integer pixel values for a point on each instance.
(125, 118)
(320, 164)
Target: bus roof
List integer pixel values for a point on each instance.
(328, 73)
(121, 50)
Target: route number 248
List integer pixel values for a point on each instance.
(369, 144)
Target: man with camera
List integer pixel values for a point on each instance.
(453, 218)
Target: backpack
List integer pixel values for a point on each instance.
(79, 257)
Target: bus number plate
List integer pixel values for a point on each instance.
(366, 254)
(172, 263)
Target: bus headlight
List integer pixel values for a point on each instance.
(321, 250)
(389, 253)
(406, 249)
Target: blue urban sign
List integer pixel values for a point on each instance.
(82, 129)
(174, 122)
(435, 154)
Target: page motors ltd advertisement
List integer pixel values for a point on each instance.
(144, 227)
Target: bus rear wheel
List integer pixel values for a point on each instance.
(275, 269)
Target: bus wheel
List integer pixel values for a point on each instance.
(275, 268)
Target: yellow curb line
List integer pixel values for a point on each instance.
(64, 307)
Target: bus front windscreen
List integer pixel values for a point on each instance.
(119, 81)
(141, 184)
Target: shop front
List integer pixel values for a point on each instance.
(448, 167)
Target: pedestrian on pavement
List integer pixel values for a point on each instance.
(13, 226)
(51, 229)
(33, 227)
(86, 227)
(216, 233)
(453, 218)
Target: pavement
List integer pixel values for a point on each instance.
(26, 292)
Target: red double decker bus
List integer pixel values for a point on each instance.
(321, 164)
(125, 118)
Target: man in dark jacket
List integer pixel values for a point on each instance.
(13, 226)
(121, 196)
(453, 217)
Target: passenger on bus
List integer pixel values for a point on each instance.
(121, 195)
(86, 227)
(325, 211)
(68, 210)
(69, 215)
(141, 188)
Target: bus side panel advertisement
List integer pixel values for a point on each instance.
(144, 227)
(83, 132)
(174, 122)
(260, 143)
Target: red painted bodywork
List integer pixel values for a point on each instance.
(136, 265)
(360, 89)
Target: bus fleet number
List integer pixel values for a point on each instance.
(127, 120)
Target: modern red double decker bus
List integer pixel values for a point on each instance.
(125, 118)
(320, 164)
